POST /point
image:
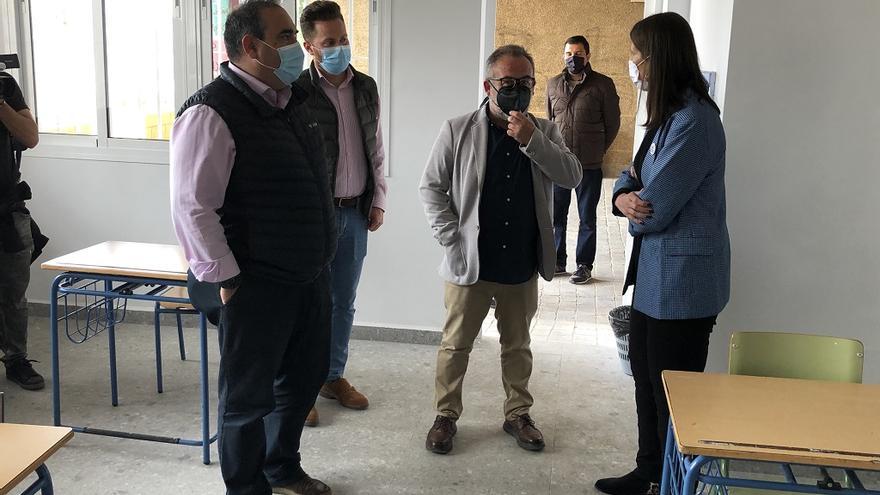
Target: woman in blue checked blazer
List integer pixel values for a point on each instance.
(674, 199)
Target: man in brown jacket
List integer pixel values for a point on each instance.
(585, 106)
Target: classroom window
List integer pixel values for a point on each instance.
(140, 68)
(64, 66)
(112, 73)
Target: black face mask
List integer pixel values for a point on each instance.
(515, 99)
(575, 64)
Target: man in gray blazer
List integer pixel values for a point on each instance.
(488, 195)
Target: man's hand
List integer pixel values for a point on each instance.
(377, 218)
(520, 127)
(226, 295)
(633, 207)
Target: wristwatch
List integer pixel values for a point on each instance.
(231, 283)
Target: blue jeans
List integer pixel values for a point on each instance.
(345, 273)
(588, 192)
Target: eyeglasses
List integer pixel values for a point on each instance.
(527, 82)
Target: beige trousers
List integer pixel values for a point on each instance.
(466, 308)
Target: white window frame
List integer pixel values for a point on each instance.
(192, 70)
(380, 66)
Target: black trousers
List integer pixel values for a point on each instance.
(657, 345)
(274, 357)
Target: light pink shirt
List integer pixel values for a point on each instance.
(202, 155)
(351, 170)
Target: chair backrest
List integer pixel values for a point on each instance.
(792, 355)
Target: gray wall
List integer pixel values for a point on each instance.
(434, 67)
(803, 124)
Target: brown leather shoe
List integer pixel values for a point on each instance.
(527, 435)
(440, 435)
(305, 486)
(312, 418)
(347, 395)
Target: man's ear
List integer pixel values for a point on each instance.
(310, 49)
(248, 46)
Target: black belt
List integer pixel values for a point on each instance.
(346, 202)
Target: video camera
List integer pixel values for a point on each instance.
(7, 61)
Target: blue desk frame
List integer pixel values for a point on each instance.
(690, 475)
(43, 485)
(125, 288)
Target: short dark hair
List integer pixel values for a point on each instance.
(320, 10)
(508, 51)
(245, 19)
(675, 66)
(579, 40)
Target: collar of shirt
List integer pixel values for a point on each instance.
(492, 125)
(276, 98)
(349, 76)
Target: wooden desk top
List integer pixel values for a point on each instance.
(131, 259)
(24, 447)
(774, 419)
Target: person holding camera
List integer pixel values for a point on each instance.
(18, 130)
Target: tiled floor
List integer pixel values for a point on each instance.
(578, 314)
(583, 404)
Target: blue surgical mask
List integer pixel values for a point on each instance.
(335, 59)
(292, 58)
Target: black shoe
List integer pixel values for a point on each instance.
(304, 486)
(628, 484)
(560, 269)
(22, 372)
(582, 275)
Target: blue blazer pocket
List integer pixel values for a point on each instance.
(688, 246)
(688, 268)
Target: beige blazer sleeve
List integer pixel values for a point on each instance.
(434, 189)
(549, 153)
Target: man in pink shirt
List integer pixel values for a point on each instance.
(345, 103)
(252, 209)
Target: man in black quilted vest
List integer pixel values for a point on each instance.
(345, 103)
(251, 206)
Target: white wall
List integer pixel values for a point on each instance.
(711, 22)
(434, 66)
(803, 126)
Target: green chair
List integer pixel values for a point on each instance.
(792, 355)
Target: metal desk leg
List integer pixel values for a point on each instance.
(43, 484)
(180, 337)
(668, 452)
(203, 349)
(689, 485)
(158, 331)
(111, 332)
(53, 338)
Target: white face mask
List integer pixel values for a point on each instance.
(633, 72)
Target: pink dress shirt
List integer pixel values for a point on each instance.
(351, 170)
(202, 155)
